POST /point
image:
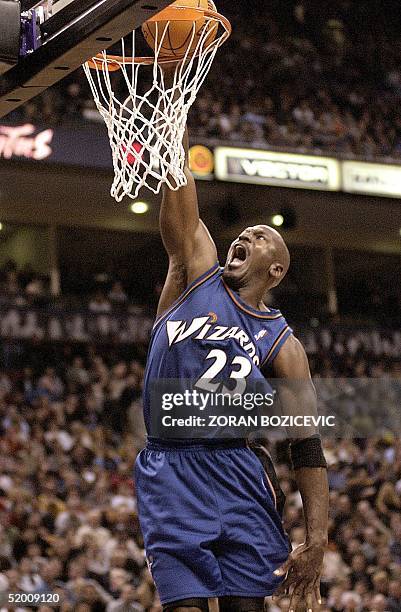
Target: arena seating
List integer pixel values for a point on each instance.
(70, 429)
(331, 82)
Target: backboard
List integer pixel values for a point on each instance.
(41, 41)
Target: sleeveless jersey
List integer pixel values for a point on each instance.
(210, 332)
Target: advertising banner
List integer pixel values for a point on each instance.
(86, 145)
(280, 169)
(374, 179)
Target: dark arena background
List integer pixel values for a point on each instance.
(298, 126)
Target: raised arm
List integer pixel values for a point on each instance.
(298, 397)
(190, 248)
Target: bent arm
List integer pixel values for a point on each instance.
(298, 397)
(189, 246)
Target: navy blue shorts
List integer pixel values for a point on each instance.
(209, 521)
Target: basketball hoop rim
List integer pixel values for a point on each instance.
(113, 63)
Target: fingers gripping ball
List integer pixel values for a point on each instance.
(182, 33)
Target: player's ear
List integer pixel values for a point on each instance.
(276, 271)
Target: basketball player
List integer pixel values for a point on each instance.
(207, 508)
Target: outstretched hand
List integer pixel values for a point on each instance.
(303, 568)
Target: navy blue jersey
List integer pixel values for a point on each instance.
(208, 511)
(210, 333)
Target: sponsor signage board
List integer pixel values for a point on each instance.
(83, 145)
(373, 179)
(86, 145)
(279, 169)
(201, 162)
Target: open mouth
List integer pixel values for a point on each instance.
(239, 255)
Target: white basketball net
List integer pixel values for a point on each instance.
(146, 130)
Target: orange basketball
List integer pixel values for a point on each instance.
(180, 27)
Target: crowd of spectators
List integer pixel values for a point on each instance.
(70, 429)
(118, 292)
(321, 76)
(23, 286)
(308, 76)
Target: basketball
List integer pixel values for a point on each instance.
(179, 36)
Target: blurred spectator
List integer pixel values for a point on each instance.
(34, 288)
(99, 303)
(117, 294)
(127, 601)
(76, 374)
(51, 384)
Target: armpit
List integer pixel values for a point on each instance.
(178, 276)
